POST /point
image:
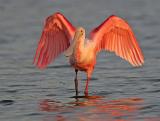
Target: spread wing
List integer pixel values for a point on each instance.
(55, 39)
(115, 35)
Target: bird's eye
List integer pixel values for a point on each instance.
(81, 32)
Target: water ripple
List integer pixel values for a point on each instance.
(6, 102)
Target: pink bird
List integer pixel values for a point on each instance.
(59, 35)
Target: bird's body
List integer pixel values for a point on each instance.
(58, 36)
(83, 57)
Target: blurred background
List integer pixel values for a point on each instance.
(27, 93)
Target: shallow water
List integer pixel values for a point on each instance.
(118, 91)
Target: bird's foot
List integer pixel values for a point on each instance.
(76, 93)
(76, 86)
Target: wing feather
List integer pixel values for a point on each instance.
(55, 39)
(115, 35)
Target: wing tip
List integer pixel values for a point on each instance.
(140, 64)
(63, 18)
(58, 14)
(114, 16)
(37, 63)
(97, 28)
(39, 66)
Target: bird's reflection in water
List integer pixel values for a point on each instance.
(92, 108)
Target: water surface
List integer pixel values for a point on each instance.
(126, 93)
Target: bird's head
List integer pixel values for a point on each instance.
(80, 33)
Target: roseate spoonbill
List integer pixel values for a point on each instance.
(59, 35)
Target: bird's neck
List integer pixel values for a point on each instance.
(79, 46)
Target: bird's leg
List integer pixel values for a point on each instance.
(76, 82)
(86, 89)
(88, 79)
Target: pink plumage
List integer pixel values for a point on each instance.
(55, 38)
(59, 35)
(115, 35)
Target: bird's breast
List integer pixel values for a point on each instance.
(83, 59)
